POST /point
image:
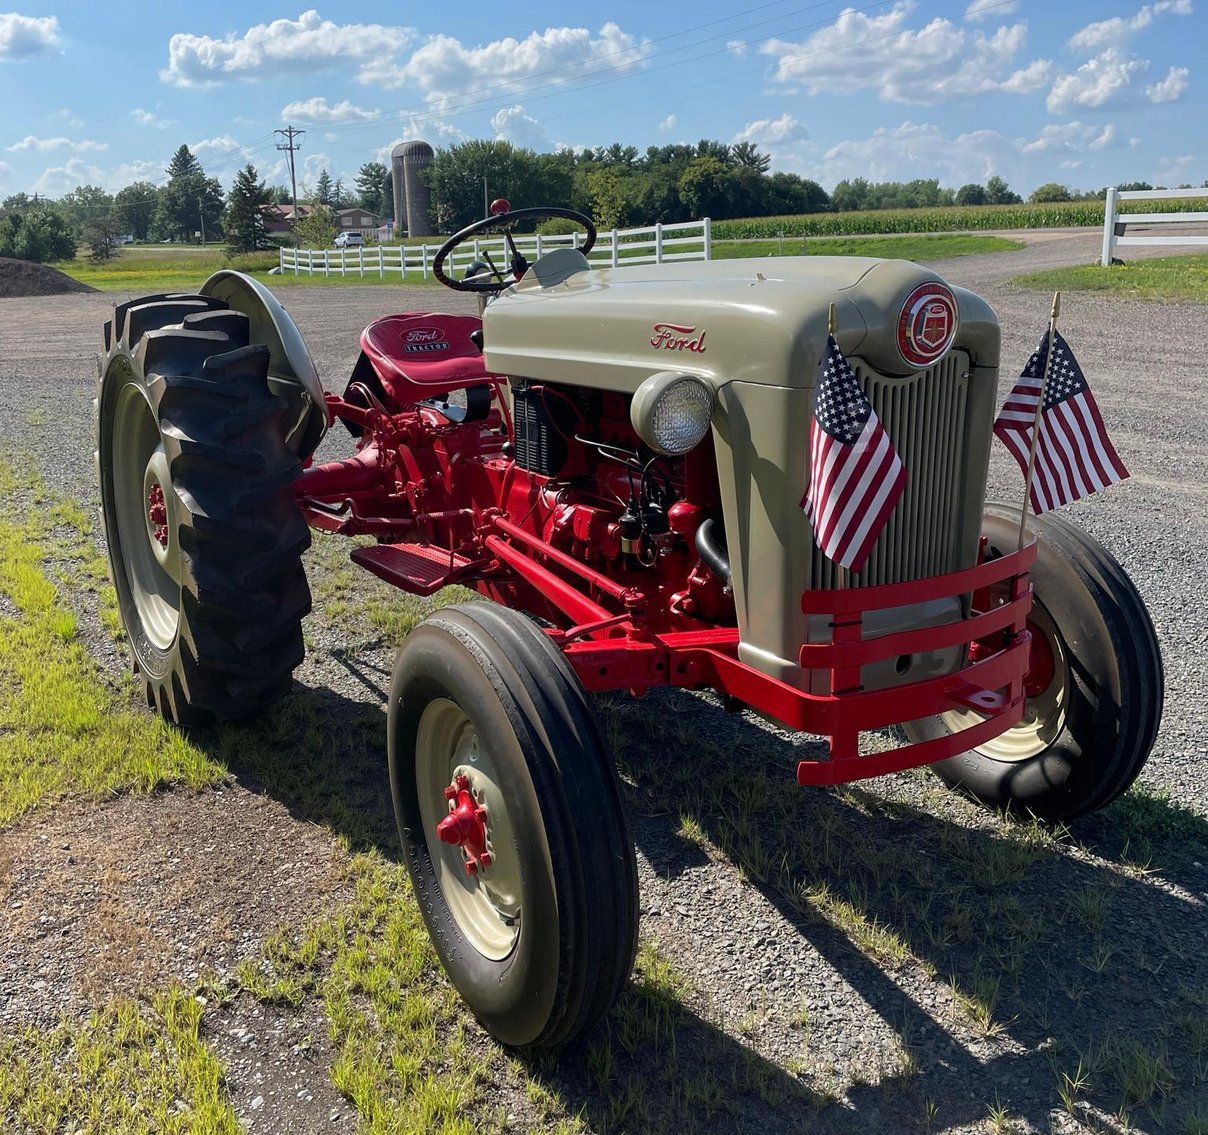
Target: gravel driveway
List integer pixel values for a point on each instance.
(791, 991)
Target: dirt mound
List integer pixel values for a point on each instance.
(25, 278)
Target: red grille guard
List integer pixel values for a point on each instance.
(991, 686)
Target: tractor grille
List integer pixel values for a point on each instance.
(925, 415)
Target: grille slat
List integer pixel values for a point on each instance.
(925, 415)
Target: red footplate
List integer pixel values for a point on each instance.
(419, 568)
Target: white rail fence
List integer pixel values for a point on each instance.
(658, 244)
(1114, 223)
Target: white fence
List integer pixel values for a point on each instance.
(1114, 223)
(656, 245)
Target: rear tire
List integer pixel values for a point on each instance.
(205, 539)
(1088, 732)
(540, 941)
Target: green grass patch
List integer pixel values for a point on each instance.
(928, 247)
(132, 1067)
(1166, 278)
(63, 731)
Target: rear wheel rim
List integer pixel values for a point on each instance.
(1044, 714)
(487, 905)
(145, 532)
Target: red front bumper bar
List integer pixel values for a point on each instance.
(992, 686)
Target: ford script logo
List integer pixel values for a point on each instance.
(927, 324)
(423, 335)
(676, 337)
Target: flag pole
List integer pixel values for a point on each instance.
(1044, 385)
(832, 327)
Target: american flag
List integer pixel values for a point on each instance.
(856, 475)
(1074, 456)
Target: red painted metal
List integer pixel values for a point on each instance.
(157, 513)
(466, 825)
(1042, 665)
(447, 503)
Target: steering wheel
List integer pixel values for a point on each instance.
(503, 219)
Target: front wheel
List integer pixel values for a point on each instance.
(509, 811)
(1094, 686)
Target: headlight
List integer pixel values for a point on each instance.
(671, 412)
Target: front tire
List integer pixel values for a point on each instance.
(204, 537)
(539, 935)
(1095, 696)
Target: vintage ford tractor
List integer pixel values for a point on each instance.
(615, 459)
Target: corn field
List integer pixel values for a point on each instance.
(954, 219)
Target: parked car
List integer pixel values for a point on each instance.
(349, 240)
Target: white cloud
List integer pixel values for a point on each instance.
(23, 37)
(1112, 79)
(934, 63)
(1070, 138)
(737, 47)
(445, 69)
(513, 125)
(5, 172)
(772, 131)
(69, 118)
(148, 118)
(434, 130)
(42, 145)
(668, 124)
(1117, 31)
(223, 144)
(980, 10)
(57, 180)
(1170, 89)
(319, 110)
(306, 43)
(1172, 171)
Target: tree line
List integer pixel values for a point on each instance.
(617, 185)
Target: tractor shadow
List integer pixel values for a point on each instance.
(1016, 965)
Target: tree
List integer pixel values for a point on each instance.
(971, 194)
(998, 192)
(607, 189)
(371, 186)
(323, 189)
(134, 207)
(318, 228)
(84, 204)
(851, 195)
(103, 235)
(746, 154)
(703, 187)
(1049, 191)
(190, 202)
(457, 174)
(37, 234)
(244, 218)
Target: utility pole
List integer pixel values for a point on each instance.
(290, 145)
(202, 214)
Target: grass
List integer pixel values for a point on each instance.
(137, 271)
(909, 247)
(1166, 277)
(132, 1067)
(63, 731)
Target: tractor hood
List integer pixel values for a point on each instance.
(760, 321)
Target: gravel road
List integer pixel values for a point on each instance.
(791, 992)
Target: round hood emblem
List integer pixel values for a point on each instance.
(927, 324)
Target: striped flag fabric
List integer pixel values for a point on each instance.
(1074, 455)
(856, 475)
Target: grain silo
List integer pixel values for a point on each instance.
(408, 160)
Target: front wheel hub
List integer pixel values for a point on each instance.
(466, 825)
(157, 514)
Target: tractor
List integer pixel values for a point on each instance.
(614, 459)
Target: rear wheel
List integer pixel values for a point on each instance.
(510, 815)
(204, 538)
(1094, 687)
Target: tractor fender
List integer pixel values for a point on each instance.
(291, 370)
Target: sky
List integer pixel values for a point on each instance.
(1079, 93)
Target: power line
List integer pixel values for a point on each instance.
(289, 134)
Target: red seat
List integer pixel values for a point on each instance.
(419, 355)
